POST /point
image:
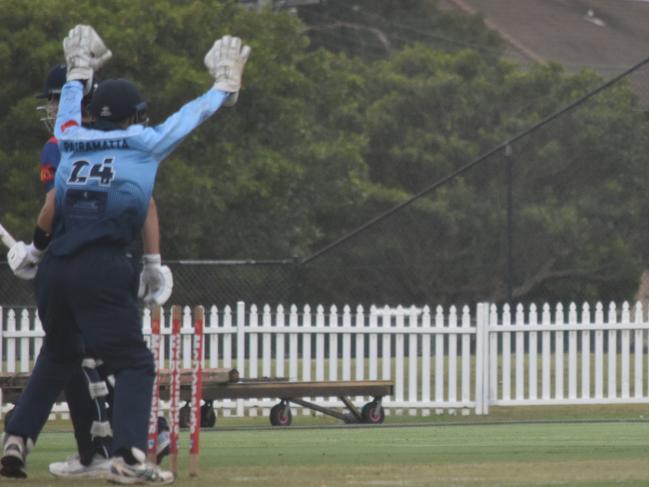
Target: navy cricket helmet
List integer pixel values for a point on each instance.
(54, 81)
(53, 86)
(116, 100)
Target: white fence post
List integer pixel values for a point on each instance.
(333, 343)
(626, 348)
(599, 352)
(545, 353)
(292, 343)
(24, 340)
(320, 357)
(187, 333)
(558, 353)
(425, 358)
(306, 343)
(572, 353)
(532, 367)
(227, 330)
(241, 346)
(638, 344)
(399, 376)
(507, 355)
(11, 341)
(320, 344)
(359, 346)
(481, 366)
(466, 355)
(439, 355)
(254, 340)
(492, 356)
(359, 343)
(612, 353)
(211, 332)
(347, 343)
(227, 337)
(413, 359)
(585, 354)
(267, 354)
(373, 345)
(519, 320)
(386, 360)
(452, 355)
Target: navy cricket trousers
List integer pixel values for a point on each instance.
(87, 304)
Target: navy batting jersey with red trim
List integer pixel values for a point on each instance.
(50, 158)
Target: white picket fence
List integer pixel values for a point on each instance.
(594, 357)
(446, 360)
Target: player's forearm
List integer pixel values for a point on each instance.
(151, 230)
(45, 218)
(69, 113)
(163, 138)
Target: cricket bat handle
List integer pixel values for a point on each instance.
(6, 237)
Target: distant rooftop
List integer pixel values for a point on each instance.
(608, 36)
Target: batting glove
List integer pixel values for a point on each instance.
(156, 281)
(225, 62)
(85, 53)
(23, 260)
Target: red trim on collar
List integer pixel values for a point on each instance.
(69, 123)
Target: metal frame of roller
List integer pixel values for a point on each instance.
(219, 384)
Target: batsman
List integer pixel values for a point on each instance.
(86, 391)
(86, 285)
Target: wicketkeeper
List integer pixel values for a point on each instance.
(86, 283)
(86, 390)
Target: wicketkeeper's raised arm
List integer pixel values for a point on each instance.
(225, 62)
(85, 53)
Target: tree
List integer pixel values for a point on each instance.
(376, 29)
(578, 202)
(248, 183)
(325, 137)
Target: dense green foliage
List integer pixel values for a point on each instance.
(248, 182)
(346, 111)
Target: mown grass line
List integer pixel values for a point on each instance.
(579, 454)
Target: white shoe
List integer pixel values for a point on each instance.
(99, 468)
(14, 458)
(139, 473)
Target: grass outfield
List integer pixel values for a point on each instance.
(571, 454)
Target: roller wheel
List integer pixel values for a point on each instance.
(373, 413)
(350, 419)
(208, 416)
(280, 415)
(183, 416)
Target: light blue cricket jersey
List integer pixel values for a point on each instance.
(105, 178)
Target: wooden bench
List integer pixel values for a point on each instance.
(219, 384)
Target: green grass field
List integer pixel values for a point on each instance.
(546, 447)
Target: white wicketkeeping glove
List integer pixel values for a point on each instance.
(225, 62)
(85, 53)
(156, 281)
(23, 260)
